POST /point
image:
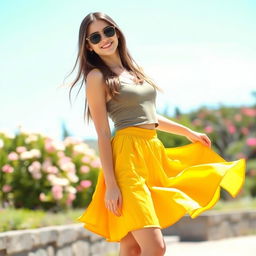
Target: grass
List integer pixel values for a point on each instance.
(236, 204)
(15, 219)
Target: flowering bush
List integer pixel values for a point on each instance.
(232, 131)
(37, 171)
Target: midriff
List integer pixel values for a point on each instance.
(147, 126)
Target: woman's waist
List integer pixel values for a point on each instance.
(144, 131)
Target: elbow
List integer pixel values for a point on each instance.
(104, 135)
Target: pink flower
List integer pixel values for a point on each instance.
(96, 163)
(21, 149)
(7, 168)
(64, 160)
(249, 111)
(85, 183)
(57, 192)
(79, 188)
(231, 128)
(202, 114)
(60, 154)
(251, 142)
(71, 141)
(68, 167)
(49, 146)
(86, 159)
(37, 175)
(71, 197)
(197, 122)
(13, 156)
(84, 169)
(52, 169)
(34, 167)
(47, 162)
(42, 197)
(35, 170)
(238, 117)
(241, 155)
(252, 172)
(208, 129)
(7, 188)
(245, 130)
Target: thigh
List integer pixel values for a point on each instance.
(150, 237)
(129, 242)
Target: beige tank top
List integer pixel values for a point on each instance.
(135, 105)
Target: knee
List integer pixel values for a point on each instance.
(160, 250)
(135, 251)
(157, 250)
(131, 250)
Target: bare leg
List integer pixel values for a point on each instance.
(129, 246)
(150, 241)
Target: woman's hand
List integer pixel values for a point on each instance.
(201, 137)
(113, 200)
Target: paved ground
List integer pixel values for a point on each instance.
(235, 246)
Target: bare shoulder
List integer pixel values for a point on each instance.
(96, 80)
(95, 75)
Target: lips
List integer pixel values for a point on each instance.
(104, 46)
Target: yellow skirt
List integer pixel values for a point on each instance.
(159, 185)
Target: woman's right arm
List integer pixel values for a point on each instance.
(95, 93)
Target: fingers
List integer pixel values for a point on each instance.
(119, 204)
(206, 140)
(114, 207)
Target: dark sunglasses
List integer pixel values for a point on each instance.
(95, 38)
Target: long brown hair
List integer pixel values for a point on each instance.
(89, 60)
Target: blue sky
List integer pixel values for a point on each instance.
(199, 52)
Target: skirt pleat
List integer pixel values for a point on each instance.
(159, 185)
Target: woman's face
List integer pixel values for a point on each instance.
(98, 26)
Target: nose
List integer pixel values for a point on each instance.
(103, 36)
(104, 39)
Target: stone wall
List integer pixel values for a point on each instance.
(214, 225)
(75, 240)
(68, 240)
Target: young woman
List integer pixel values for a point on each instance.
(142, 186)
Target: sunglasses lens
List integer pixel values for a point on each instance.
(95, 38)
(109, 31)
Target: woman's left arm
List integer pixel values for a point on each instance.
(170, 126)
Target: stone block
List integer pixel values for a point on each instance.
(64, 251)
(94, 237)
(81, 248)
(65, 235)
(2, 241)
(47, 235)
(18, 241)
(215, 219)
(50, 251)
(96, 248)
(236, 216)
(82, 232)
(189, 229)
(41, 252)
